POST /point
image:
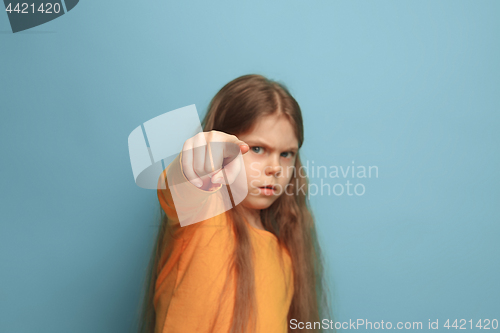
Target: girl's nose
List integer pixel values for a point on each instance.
(273, 170)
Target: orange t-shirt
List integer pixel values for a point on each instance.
(191, 279)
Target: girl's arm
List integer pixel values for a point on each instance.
(195, 260)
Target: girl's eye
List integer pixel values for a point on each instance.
(256, 149)
(260, 150)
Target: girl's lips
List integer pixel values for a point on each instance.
(267, 190)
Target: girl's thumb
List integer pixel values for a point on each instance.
(244, 145)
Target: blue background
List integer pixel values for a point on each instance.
(411, 87)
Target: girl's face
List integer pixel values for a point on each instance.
(270, 160)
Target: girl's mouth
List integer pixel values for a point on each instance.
(267, 190)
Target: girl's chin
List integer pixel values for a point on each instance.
(258, 202)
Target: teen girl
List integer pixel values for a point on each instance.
(257, 266)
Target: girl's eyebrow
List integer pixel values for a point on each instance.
(261, 143)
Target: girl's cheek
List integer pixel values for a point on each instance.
(252, 167)
(254, 173)
(286, 179)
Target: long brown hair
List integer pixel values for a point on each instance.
(234, 110)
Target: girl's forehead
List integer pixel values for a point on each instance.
(272, 123)
(272, 131)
